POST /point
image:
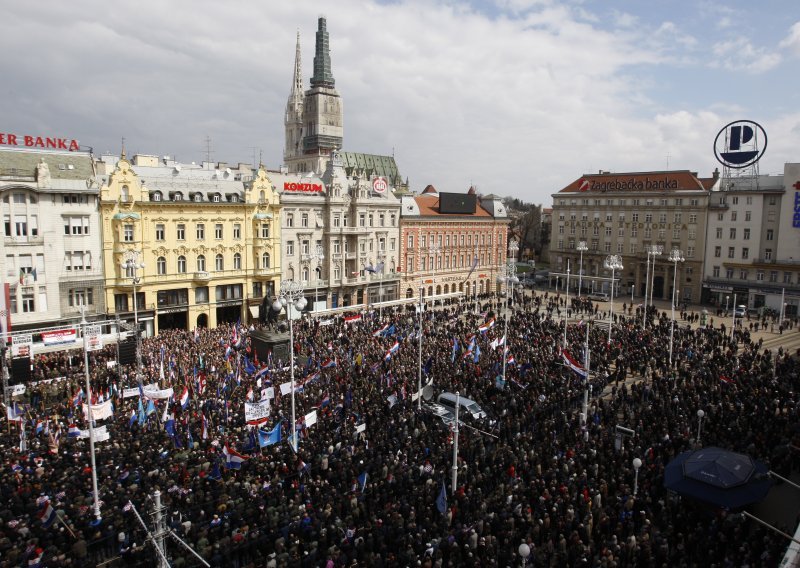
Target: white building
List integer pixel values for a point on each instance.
(51, 237)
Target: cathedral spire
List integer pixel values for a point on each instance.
(297, 84)
(322, 59)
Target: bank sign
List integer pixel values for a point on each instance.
(38, 142)
(630, 184)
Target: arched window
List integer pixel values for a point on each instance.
(201, 263)
(318, 273)
(237, 261)
(305, 274)
(181, 264)
(290, 274)
(265, 260)
(125, 193)
(219, 263)
(161, 265)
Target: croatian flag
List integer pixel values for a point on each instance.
(74, 432)
(573, 364)
(184, 398)
(328, 363)
(76, 400)
(511, 360)
(352, 319)
(498, 342)
(47, 514)
(392, 350)
(233, 459)
(487, 326)
(381, 331)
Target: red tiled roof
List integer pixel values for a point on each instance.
(679, 180)
(429, 189)
(429, 206)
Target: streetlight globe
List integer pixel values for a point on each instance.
(637, 463)
(283, 301)
(700, 413)
(277, 305)
(301, 303)
(524, 550)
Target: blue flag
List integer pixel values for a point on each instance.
(362, 481)
(269, 438)
(441, 500)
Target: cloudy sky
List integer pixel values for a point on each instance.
(518, 97)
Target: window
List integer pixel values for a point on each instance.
(719, 232)
(745, 253)
(161, 265)
(731, 252)
(201, 231)
(735, 200)
(620, 248)
(229, 292)
(77, 297)
(201, 295)
(729, 273)
(381, 220)
(768, 254)
(181, 232)
(773, 276)
(772, 200)
(648, 217)
(393, 244)
(693, 218)
(747, 214)
(770, 234)
(692, 234)
(635, 217)
(743, 274)
(337, 221)
(27, 300)
(237, 231)
(214, 198)
(218, 231)
(393, 220)
(304, 220)
(676, 233)
(156, 196)
(771, 216)
(679, 202)
(72, 226)
(201, 263)
(120, 302)
(787, 277)
(760, 275)
(677, 218)
(265, 260)
(237, 261)
(608, 231)
(732, 233)
(717, 251)
(127, 233)
(662, 218)
(648, 233)
(305, 247)
(746, 234)
(634, 232)
(219, 262)
(337, 247)
(264, 230)
(561, 229)
(289, 248)
(181, 264)
(633, 248)
(179, 197)
(160, 232)
(362, 220)
(715, 273)
(749, 200)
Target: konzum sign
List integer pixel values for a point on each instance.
(304, 187)
(41, 142)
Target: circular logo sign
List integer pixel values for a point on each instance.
(740, 144)
(583, 185)
(379, 185)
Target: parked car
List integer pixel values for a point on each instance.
(740, 311)
(599, 297)
(468, 408)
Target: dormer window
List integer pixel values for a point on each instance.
(215, 198)
(155, 196)
(177, 196)
(198, 197)
(234, 198)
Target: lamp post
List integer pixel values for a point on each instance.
(733, 316)
(613, 262)
(567, 282)
(454, 480)
(524, 551)
(657, 250)
(291, 296)
(783, 307)
(319, 256)
(726, 304)
(637, 463)
(419, 351)
(131, 265)
(700, 415)
(89, 416)
(632, 287)
(581, 248)
(510, 279)
(675, 257)
(434, 250)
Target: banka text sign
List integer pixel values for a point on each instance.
(38, 142)
(303, 187)
(630, 184)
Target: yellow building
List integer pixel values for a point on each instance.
(204, 241)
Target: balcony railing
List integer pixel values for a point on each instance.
(202, 275)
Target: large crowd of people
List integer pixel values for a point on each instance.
(369, 483)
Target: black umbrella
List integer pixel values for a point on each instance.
(718, 477)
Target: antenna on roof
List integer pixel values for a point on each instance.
(208, 148)
(122, 154)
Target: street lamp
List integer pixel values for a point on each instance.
(419, 351)
(700, 415)
(510, 279)
(131, 265)
(650, 250)
(726, 304)
(319, 256)
(657, 250)
(581, 248)
(524, 551)
(434, 250)
(291, 296)
(675, 257)
(613, 262)
(567, 282)
(637, 463)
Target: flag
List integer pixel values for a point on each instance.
(196, 335)
(39, 426)
(572, 364)
(441, 500)
(132, 418)
(47, 515)
(76, 400)
(329, 363)
(204, 435)
(362, 480)
(269, 438)
(726, 380)
(74, 431)
(474, 265)
(189, 439)
(428, 366)
(215, 472)
(455, 350)
(477, 353)
(184, 398)
(233, 459)
(511, 360)
(151, 408)
(381, 331)
(15, 412)
(392, 350)
(487, 326)
(250, 395)
(497, 342)
(326, 400)
(352, 319)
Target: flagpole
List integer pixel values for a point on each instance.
(419, 354)
(454, 482)
(89, 414)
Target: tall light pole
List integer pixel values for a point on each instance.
(131, 265)
(319, 256)
(783, 306)
(675, 257)
(613, 262)
(291, 296)
(419, 351)
(581, 248)
(700, 415)
(434, 250)
(733, 318)
(89, 416)
(454, 480)
(637, 463)
(652, 250)
(510, 279)
(567, 282)
(657, 250)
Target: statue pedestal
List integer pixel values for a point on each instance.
(265, 342)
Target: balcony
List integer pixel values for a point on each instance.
(351, 255)
(349, 230)
(202, 276)
(265, 272)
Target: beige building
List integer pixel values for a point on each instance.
(624, 214)
(207, 236)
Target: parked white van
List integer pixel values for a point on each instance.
(467, 407)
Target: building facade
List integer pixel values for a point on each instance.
(753, 249)
(206, 237)
(340, 236)
(624, 214)
(314, 120)
(443, 252)
(51, 237)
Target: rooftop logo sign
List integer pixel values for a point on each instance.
(740, 144)
(40, 142)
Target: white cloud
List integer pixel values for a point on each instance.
(741, 55)
(791, 42)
